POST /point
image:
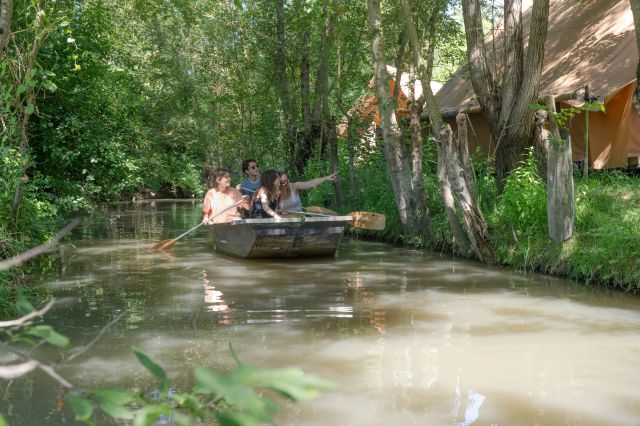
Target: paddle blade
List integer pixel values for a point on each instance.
(164, 245)
(320, 210)
(368, 220)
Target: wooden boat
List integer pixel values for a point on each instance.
(287, 237)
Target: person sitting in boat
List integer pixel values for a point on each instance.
(220, 197)
(289, 198)
(251, 182)
(265, 200)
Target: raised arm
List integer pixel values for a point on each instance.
(297, 186)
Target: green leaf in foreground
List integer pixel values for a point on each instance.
(24, 306)
(290, 383)
(154, 368)
(49, 334)
(115, 396)
(191, 403)
(82, 407)
(3, 422)
(236, 419)
(237, 394)
(116, 411)
(149, 414)
(113, 402)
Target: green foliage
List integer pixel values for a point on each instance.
(236, 398)
(520, 214)
(565, 114)
(603, 248)
(607, 221)
(241, 397)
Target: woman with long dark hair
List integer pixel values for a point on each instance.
(265, 199)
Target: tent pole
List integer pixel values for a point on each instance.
(586, 134)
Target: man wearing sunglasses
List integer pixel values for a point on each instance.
(251, 181)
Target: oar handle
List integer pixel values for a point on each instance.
(306, 213)
(210, 219)
(218, 214)
(185, 233)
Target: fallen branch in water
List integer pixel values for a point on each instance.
(23, 320)
(37, 251)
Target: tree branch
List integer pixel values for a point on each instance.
(36, 251)
(23, 320)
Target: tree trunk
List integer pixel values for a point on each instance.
(541, 141)
(332, 139)
(320, 115)
(506, 92)
(424, 72)
(287, 121)
(417, 175)
(635, 8)
(304, 148)
(560, 202)
(462, 188)
(6, 11)
(459, 237)
(395, 151)
(26, 107)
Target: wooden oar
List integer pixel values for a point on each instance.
(167, 244)
(321, 210)
(362, 220)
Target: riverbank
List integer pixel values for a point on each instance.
(604, 250)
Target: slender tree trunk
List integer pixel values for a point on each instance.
(505, 93)
(395, 150)
(424, 72)
(25, 108)
(560, 199)
(287, 121)
(635, 8)
(306, 146)
(462, 188)
(417, 174)
(320, 112)
(351, 157)
(459, 237)
(350, 141)
(6, 11)
(335, 160)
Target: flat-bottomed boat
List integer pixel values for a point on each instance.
(287, 237)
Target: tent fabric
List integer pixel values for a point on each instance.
(614, 135)
(589, 43)
(367, 105)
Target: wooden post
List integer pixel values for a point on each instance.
(585, 163)
(541, 142)
(560, 200)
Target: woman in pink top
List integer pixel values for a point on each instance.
(220, 197)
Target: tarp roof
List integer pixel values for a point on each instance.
(591, 42)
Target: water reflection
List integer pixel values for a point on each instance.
(411, 337)
(214, 302)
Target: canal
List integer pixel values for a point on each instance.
(409, 337)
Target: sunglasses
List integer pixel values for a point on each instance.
(253, 167)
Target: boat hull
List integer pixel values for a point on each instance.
(285, 238)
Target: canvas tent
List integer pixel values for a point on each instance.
(589, 43)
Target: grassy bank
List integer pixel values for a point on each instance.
(605, 248)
